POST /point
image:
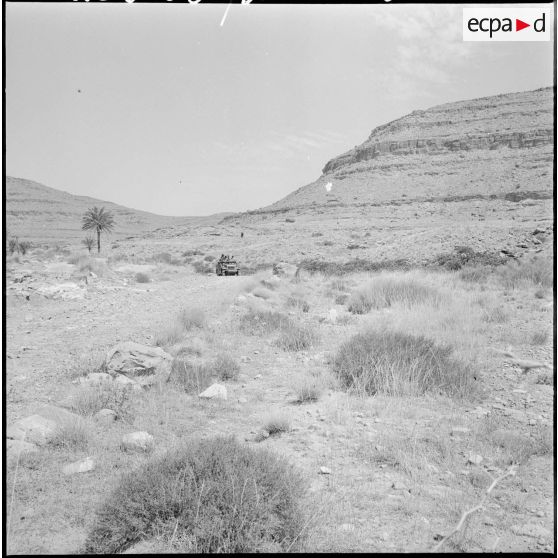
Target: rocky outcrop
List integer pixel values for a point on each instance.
(372, 149)
(141, 363)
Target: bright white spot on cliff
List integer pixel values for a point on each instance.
(328, 187)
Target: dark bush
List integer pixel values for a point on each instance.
(209, 496)
(352, 266)
(465, 255)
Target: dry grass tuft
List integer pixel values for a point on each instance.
(298, 303)
(296, 337)
(71, 436)
(531, 270)
(106, 395)
(539, 337)
(224, 367)
(308, 390)
(400, 364)
(142, 278)
(191, 374)
(277, 423)
(387, 290)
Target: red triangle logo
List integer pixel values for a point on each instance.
(519, 25)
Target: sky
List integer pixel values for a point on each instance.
(161, 108)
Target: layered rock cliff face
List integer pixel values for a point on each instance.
(490, 146)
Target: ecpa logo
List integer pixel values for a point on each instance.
(507, 24)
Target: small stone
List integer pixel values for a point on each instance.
(475, 459)
(257, 376)
(347, 527)
(215, 391)
(124, 381)
(105, 416)
(81, 466)
(397, 485)
(28, 318)
(243, 400)
(457, 430)
(325, 471)
(532, 422)
(261, 436)
(256, 352)
(540, 514)
(138, 441)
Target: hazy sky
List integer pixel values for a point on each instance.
(179, 115)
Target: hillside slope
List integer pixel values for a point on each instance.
(489, 146)
(39, 213)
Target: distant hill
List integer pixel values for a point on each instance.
(42, 214)
(490, 146)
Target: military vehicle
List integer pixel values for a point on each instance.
(226, 266)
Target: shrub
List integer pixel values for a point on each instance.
(289, 220)
(24, 246)
(475, 274)
(497, 314)
(13, 245)
(203, 267)
(194, 252)
(106, 395)
(352, 266)
(225, 368)
(209, 258)
(328, 243)
(162, 257)
(192, 317)
(354, 247)
(342, 298)
(277, 423)
(539, 337)
(298, 303)
(308, 390)
(208, 496)
(396, 363)
(271, 283)
(518, 448)
(532, 270)
(316, 234)
(465, 255)
(296, 337)
(142, 277)
(191, 374)
(263, 321)
(545, 379)
(385, 291)
(71, 436)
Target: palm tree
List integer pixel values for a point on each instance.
(99, 220)
(88, 242)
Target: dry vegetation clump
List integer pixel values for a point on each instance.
(352, 266)
(308, 390)
(209, 258)
(514, 447)
(539, 337)
(71, 436)
(142, 278)
(187, 319)
(190, 318)
(297, 337)
(89, 363)
(258, 322)
(534, 270)
(467, 256)
(262, 292)
(545, 379)
(192, 375)
(496, 314)
(194, 252)
(203, 267)
(106, 395)
(225, 367)
(298, 303)
(400, 364)
(387, 290)
(475, 274)
(277, 423)
(208, 496)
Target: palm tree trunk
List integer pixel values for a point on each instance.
(98, 241)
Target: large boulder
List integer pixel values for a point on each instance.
(138, 441)
(283, 269)
(144, 364)
(42, 426)
(214, 391)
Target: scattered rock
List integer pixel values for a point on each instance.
(105, 416)
(35, 429)
(126, 382)
(475, 459)
(332, 317)
(64, 291)
(95, 378)
(261, 436)
(142, 363)
(138, 441)
(397, 485)
(215, 391)
(325, 471)
(81, 466)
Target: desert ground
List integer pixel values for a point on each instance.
(391, 465)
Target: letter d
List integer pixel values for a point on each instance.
(537, 21)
